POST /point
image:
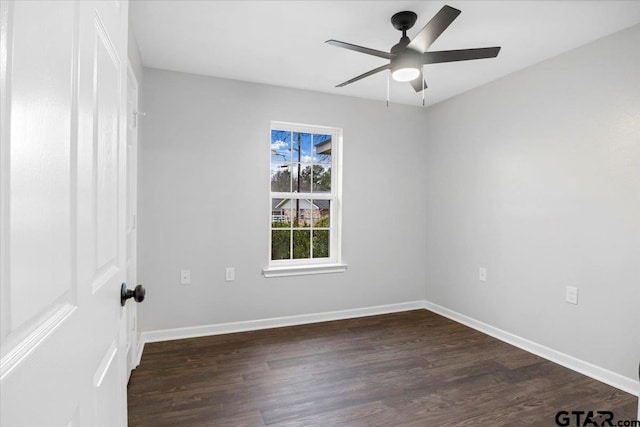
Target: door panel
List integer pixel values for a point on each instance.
(62, 214)
(105, 380)
(40, 106)
(106, 139)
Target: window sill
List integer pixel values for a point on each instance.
(303, 270)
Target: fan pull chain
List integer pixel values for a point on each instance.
(388, 74)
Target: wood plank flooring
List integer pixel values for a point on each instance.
(414, 368)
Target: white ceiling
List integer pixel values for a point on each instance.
(282, 42)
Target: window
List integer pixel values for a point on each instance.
(304, 234)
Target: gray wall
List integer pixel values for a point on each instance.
(204, 202)
(536, 177)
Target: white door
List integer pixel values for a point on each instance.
(62, 217)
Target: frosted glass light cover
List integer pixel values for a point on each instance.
(405, 74)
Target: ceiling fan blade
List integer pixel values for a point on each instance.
(362, 76)
(433, 29)
(361, 49)
(418, 83)
(459, 55)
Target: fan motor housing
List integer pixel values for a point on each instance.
(397, 48)
(406, 58)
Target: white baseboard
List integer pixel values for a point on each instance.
(597, 373)
(276, 322)
(139, 351)
(613, 379)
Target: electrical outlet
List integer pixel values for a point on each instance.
(229, 274)
(185, 277)
(482, 274)
(571, 295)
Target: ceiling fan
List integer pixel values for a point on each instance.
(407, 56)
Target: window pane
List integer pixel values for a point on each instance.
(301, 244)
(321, 243)
(322, 149)
(321, 213)
(280, 146)
(289, 209)
(301, 147)
(300, 212)
(321, 179)
(280, 215)
(280, 244)
(304, 179)
(281, 177)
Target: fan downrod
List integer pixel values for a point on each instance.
(402, 21)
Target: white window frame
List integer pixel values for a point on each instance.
(333, 264)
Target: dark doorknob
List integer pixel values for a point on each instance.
(137, 294)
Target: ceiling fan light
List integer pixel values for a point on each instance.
(405, 74)
(406, 66)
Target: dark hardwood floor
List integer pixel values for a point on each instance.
(413, 368)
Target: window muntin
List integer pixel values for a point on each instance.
(303, 195)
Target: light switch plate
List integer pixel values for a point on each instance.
(185, 277)
(571, 295)
(229, 274)
(482, 274)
